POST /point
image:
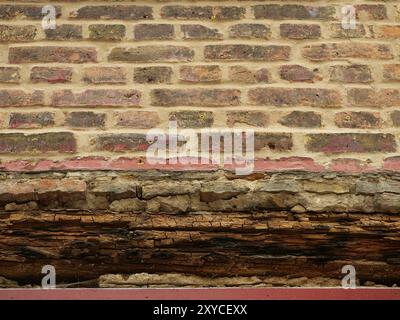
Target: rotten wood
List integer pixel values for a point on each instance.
(85, 245)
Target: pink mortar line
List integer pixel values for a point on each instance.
(139, 164)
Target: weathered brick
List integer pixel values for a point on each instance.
(104, 75)
(64, 32)
(96, 97)
(218, 13)
(153, 75)
(294, 12)
(195, 97)
(242, 74)
(335, 51)
(193, 119)
(24, 11)
(199, 32)
(247, 52)
(300, 31)
(391, 72)
(250, 118)
(10, 75)
(153, 31)
(351, 74)
(312, 97)
(52, 54)
(337, 31)
(51, 74)
(297, 73)
(364, 120)
(106, 32)
(20, 98)
(370, 12)
(387, 31)
(301, 119)
(395, 117)
(85, 119)
(17, 143)
(365, 97)
(200, 73)
(273, 141)
(250, 31)
(114, 12)
(122, 142)
(137, 119)
(14, 33)
(350, 142)
(31, 120)
(152, 54)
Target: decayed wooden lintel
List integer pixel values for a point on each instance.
(85, 245)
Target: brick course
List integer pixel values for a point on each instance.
(112, 70)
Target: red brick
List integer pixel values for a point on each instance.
(250, 118)
(336, 51)
(10, 33)
(370, 12)
(337, 31)
(387, 31)
(312, 97)
(364, 120)
(195, 97)
(85, 119)
(193, 119)
(17, 143)
(52, 54)
(104, 75)
(294, 12)
(391, 72)
(96, 98)
(200, 32)
(152, 54)
(301, 119)
(300, 31)
(153, 75)
(351, 74)
(64, 32)
(19, 98)
(51, 74)
(153, 31)
(273, 141)
(247, 52)
(249, 31)
(122, 142)
(218, 13)
(31, 120)
(107, 32)
(24, 11)
(113, 12)
(395, 117)
(297, 73)
(10, 75)
(365, 97)
(350, 142)
(242, 74)
(200, 73)
(137, 119)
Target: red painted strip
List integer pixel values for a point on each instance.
(260, 165)
(202, 294)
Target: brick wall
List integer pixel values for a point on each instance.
(77, 191)
(84, 95)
